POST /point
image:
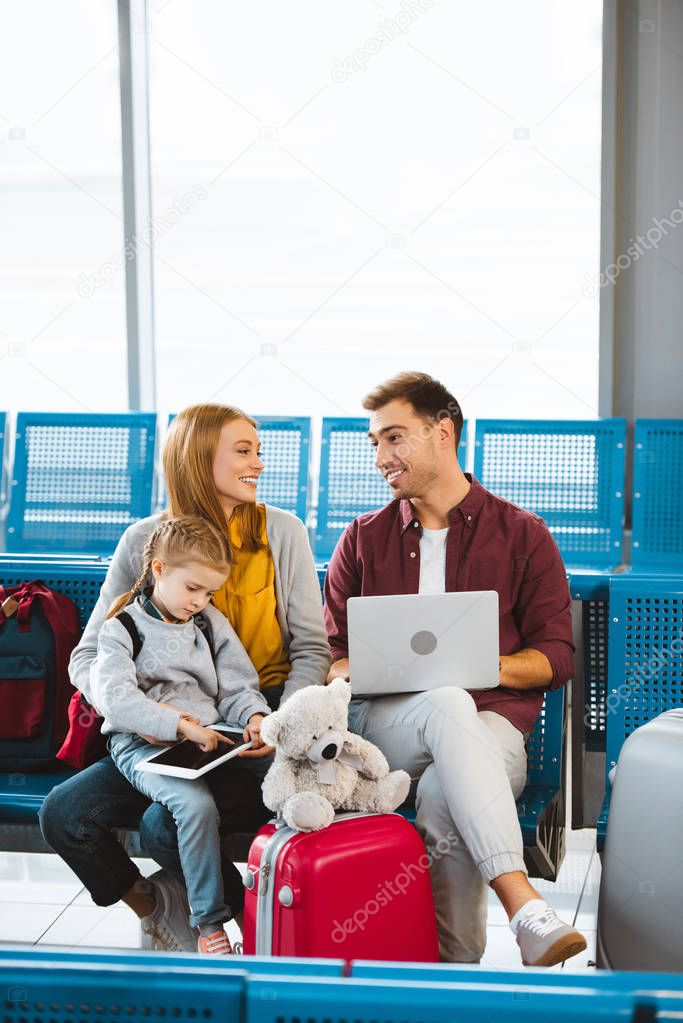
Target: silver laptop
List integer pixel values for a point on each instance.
(414, 642)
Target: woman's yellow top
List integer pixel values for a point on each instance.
(248, 601)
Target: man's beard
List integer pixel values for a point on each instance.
(418, 484)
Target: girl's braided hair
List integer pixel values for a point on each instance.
(176, 541)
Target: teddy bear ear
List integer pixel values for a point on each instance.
(270, 729)
(341, 688)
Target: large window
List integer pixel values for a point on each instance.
(343, 192)
(338, 193)
(62, 315)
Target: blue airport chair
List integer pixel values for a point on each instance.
(367, 1000)
(108, 993)
(571, 473)
(464, 973)
(22, 795)
(79, 480)
(106, 987)
(657, 539)
(590, 612)
(45, 954)
(541, 806)
(286, 450)
(349, 483)
(645, 672)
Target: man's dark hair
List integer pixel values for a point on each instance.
(429, 398)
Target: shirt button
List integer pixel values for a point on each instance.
(412, 554)
(469, 518)
(416, 524)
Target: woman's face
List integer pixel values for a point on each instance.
(237, 464)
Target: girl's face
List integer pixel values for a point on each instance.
(237, 464)
(183, 590)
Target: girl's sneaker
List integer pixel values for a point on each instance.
(216, 944)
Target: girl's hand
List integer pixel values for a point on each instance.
(206, 738)
(252, 733)
(164, 742)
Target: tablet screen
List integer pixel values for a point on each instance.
(187, 754)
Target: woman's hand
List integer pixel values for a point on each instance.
(340, 669)
(206, 738)
(252, 733)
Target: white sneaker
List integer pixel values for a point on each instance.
(543, 939)
(168, 926)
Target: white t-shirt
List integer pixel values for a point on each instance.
(433, 560)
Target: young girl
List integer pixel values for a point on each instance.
(178, 684)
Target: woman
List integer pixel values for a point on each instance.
(272, 598)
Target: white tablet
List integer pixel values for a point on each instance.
(186, 760)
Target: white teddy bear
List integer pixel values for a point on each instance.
(320, 766)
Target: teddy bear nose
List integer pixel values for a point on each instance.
(330, 752)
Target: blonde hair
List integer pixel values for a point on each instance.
(175, 542)
(188, 459)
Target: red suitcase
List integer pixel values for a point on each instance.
(358, 889)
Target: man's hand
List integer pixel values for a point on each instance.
(252, 733)
(527, 669)
(340, 669)
(206, 738)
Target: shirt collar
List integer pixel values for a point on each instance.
(467, 510)
(153, 611)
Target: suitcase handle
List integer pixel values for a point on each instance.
(352, 815)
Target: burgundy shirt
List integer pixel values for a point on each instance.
(491, 545)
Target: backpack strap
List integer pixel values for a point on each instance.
(132, 630)
(204, 625)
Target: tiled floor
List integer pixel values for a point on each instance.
(43, 902)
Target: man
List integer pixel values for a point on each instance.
(464, 752)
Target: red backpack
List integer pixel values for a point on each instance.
(84, 743)
(38, 630)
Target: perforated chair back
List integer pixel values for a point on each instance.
(657, 494)
(571, 473)
(286, 450)
(349, 482)
(544, 745)
(70, 992)
(79, 480)
(645, 670)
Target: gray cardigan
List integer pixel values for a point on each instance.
(299, 602)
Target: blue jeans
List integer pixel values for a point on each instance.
(197, 821)
(77, 820)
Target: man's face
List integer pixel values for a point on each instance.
(407, 451)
